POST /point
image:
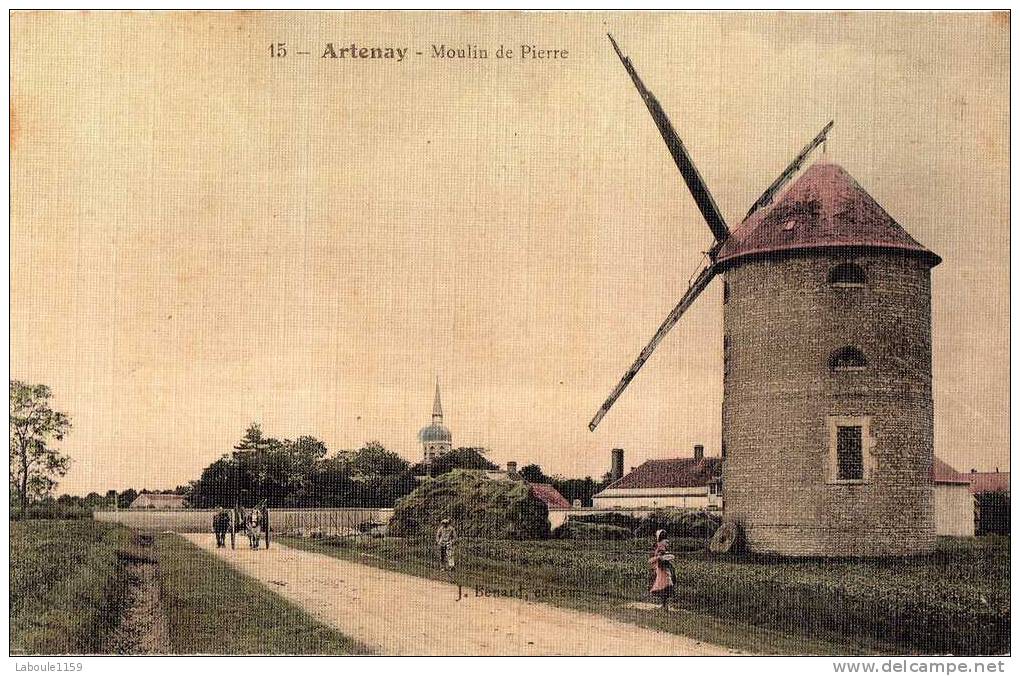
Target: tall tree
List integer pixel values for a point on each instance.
(35, 463)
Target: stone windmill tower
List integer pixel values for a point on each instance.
(827, 404)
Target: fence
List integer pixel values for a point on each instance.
(342, 521)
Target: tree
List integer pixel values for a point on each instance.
(464, 457)
(35, 465)
(125, 498)
(534, 474)
(373, 459)
(577, 489)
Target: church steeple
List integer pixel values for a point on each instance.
(437, 406)
(436, 439)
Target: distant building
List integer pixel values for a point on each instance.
(954, 503)
(548, 494)
(436, 439)
(694, 483)
(158, 501)
(989, 482)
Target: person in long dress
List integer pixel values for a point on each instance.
(661, 560)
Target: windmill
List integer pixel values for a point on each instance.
(827, 414)
(709, 211)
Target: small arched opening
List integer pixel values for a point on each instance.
(847, 358)
(847, 275)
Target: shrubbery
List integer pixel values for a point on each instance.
(679, 523)
(478, 506)
(610, 518)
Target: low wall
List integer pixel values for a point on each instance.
(557, 517)
(341, 521)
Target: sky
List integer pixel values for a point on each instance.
(203, 235)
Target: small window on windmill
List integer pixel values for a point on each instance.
(850, 458)
(789, 225)
(847, 275)
(726, 354)
(847, 358)
(849, 453)
(725, 292)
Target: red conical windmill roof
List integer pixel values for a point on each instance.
(824, 208)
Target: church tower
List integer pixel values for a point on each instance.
(435, 438)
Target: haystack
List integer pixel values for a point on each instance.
(478, 506)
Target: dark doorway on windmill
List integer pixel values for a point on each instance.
(850, 453)
(847, 275)
(847, 358)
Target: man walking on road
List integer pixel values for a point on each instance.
(446, 536)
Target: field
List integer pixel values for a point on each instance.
(67, 586)
(77, 588)
(955, 601)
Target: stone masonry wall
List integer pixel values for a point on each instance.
(782, 320)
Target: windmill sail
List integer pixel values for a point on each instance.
(699, 285)
(681, 157)
(770, 192)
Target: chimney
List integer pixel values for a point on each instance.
(511, 468)
(699, 452)
(617, 469)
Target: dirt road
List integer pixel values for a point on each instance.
(399, 614)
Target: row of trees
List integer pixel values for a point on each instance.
(284, 472)
(302, 473)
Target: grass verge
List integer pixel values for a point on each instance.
(67, 586)
(955, 601)
(213, 609)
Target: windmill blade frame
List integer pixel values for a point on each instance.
(770, 192)
(695, 183)
(699, 284)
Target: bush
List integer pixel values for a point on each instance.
(679, 523)
(478, 506)
(580, 530)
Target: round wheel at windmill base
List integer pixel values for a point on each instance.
(827, 417)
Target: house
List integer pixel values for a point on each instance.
(548, 494)
(954, 503)
(158, 501)
(989, 482)
(694, 483)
